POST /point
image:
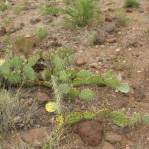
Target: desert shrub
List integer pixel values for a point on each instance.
(132, 3)
(42, 33)
(82, 12)
(87, 95)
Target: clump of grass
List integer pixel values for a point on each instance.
(132, 3)
(87, 95)
(50, 10)
(122, 18)
(82, 13)
(13, 114)
(3, 6)
(42, 33)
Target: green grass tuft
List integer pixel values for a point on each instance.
(132, 3)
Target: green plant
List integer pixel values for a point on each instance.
(82, 12)
(89, 115)
(119, 118)
(50, 10)
(17, 70)
(132, 3)
(87, 95)
(3, 5)
(18, 9)
(74, 117)
(42, 33)
(135, 119)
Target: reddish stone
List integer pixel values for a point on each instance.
(91, 132)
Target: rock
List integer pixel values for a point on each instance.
(42, 97)
(36, 136)
(129, 10)
(139, 93)
(112, 137)
(108, 18)
(141, 11)
(107, 145)
(35, 20)
(99, 37)
(90, 131)
(80, 61)
(112, 40)
(2, 31)
(110, 27)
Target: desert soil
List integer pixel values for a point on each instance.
(123, 49)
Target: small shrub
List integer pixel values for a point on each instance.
(82, 12)
(3, 6)
(132, 3)
(87, 95)
(42, 33)
(50, 10)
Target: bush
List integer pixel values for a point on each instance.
(82, 12)
(132, 3)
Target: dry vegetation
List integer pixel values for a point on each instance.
(74, 74)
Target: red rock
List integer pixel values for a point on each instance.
(42, 97)
(2, 31)
(108, 19)
(80, 61)
(91, 132)
(36, 136)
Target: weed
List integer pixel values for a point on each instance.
(132, 3)
(122, 18)
(87, 95)
(3, 6)
(50, 10)
(41, 33)
(82, 13)
(54, 138)
(13, 114)
(18, 9)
